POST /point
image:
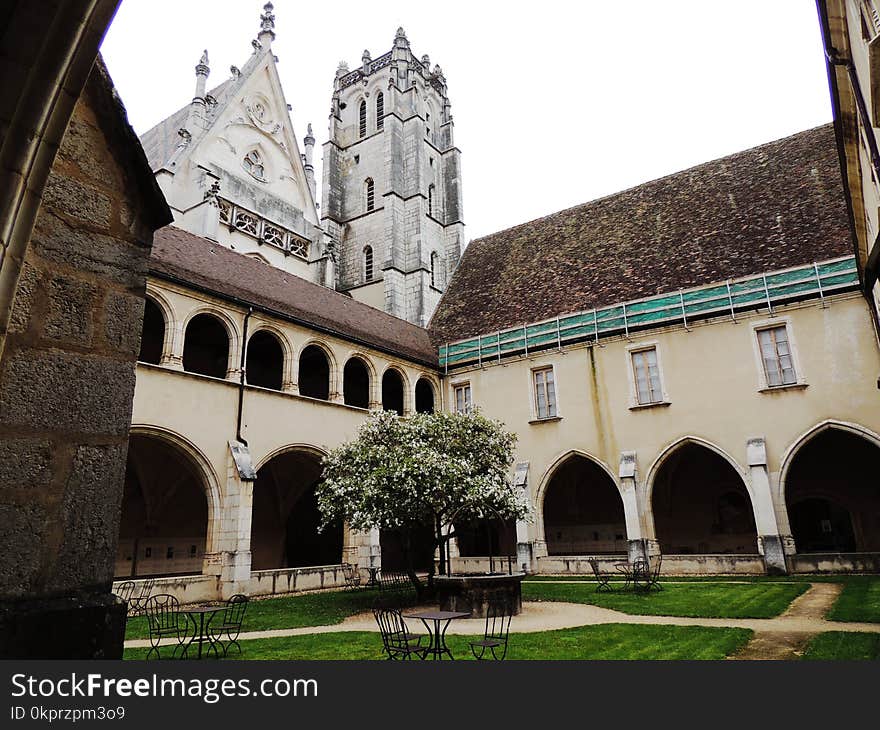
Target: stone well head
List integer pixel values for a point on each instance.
(474, 592)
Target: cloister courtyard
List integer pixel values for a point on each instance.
(564, 617)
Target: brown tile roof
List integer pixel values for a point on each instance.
(770, 207)
(201, 263)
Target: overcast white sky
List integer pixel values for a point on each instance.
(555, 103)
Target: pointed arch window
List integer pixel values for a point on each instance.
(380, 111)
(368, 263)
(370, 193)
(253, 164)
(431, 199)
(434, 268)
(362, 120)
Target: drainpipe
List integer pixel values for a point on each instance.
(244, 339)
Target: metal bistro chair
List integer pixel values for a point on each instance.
(496, 634)
(602, 576)
(138, 603)
(230, 623)
(654, 575)
(352, 576)
(125, 591)
(641, 576)
(396, 640)
(165, 620)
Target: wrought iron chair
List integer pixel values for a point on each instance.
(352, 576)
(641, 576)
(230, 624)
(654, 576)
(602, 576)
(497, 631)
(397, 642)
(125, 590)
(137, 604)
(165, 620)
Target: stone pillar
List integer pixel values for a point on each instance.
(67, 368)
(234, 540)
(770, 543)
(636, 548)
(525, 552)
(173, 358)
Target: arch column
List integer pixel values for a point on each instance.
(637, 548)
(770, 543)
(172, 352)
(234, 543)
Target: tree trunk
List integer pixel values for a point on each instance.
(410, 568)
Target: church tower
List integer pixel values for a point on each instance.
(392, 200)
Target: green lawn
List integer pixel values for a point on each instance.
(290, 612)
(843, 645)
(860, 601)
(610, 641)
(717, 600)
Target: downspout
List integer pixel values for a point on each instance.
(244, 341)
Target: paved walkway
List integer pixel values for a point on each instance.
(803, 619)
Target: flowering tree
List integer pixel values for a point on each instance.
(422, 470)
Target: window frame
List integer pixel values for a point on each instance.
(634, 401)
(533, 394)
(464, 385)
(369, 264)
(763, 379)
(362, 119)
(369, 195)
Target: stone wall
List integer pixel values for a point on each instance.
(66, 387)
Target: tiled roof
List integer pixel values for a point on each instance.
(770, 207)
(202, 263)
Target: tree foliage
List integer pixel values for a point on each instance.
(422, 470)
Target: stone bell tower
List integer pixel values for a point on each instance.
(392, 199)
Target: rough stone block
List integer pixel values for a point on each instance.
(123, 322)
(25, 462)
(122, 262)
(91, 508)
(73, 198)
(21, 547)
(68, 392)
(69, 317)
(25, 296)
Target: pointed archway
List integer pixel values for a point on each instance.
(832, 493)
(700, 504)
(582, 510)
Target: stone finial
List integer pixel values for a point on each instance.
(438, 72)
(202, 68)
(235, 71)
(267, 25)
(310, 139)
(426, 61)
(212, 192)
(400, 39)
(342, 68)
(365, 57)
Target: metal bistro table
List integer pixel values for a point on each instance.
(201, 628)
(437, 647)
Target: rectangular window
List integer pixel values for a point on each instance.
(776, 356)
(647, 376)
(463, 398)
(545, 393)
